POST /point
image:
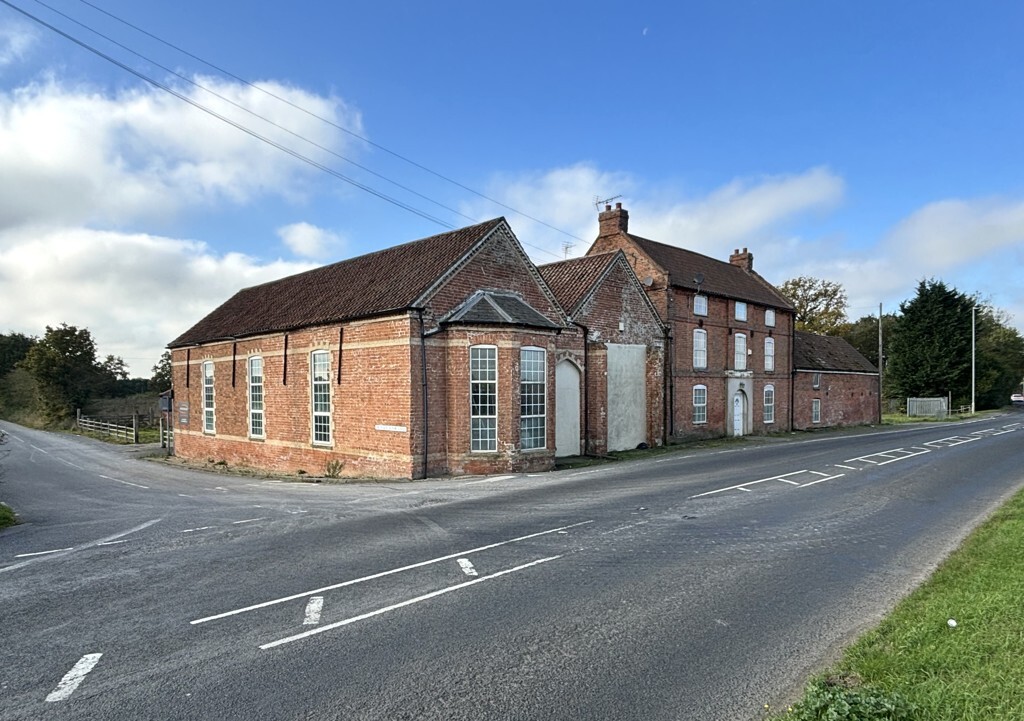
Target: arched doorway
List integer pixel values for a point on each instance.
(739, 413)
(567, 409)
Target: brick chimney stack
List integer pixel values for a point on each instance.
(744, 260)
(613, 221)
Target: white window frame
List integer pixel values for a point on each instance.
(700, 405)
(816, 410)
(816, 380)
(741, 310)
(483, 398)
(209, 399)
(739, 360)
(769, 404)
(533, 390)
(700, 305)
(320, 397)
(700, 349)
(257, 419)
(769, 354)
(769, 317)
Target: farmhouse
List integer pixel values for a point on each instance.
(730, 348)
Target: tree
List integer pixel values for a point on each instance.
(999, 351)
(161, 380)
(13, 348)
(930, 351)
(820, 304)
(862, 334)
(64, 366)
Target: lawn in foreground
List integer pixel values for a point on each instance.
(951, 651)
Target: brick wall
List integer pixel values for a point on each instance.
(846, 399)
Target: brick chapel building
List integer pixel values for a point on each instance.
(447, 355)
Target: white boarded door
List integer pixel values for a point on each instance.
(567, 409)
(627, 396)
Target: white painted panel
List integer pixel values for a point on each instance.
(567, 409)
(627, 396)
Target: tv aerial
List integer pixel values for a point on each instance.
(607, 201)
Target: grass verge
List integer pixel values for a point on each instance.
(7, 517)
(951, 651)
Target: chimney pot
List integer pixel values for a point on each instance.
(613, 221)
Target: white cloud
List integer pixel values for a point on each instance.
(76, 156)
(742, 211)
(309, 241)
(15, 41)
(134, 292)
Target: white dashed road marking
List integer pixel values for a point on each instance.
(409, 602)
(74, 677)
(127, 483)
(43, 553)
(313, 610)
(467, 567)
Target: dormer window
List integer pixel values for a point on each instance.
(700, 305)
(741, 310)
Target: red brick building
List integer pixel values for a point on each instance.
(439, 356)
(620, 354)
(833, 383)
(730, 350)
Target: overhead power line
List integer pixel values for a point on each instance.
(181, 96)
(330, 122)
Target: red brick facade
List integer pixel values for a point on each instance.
(844, 399)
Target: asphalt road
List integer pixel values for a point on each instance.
(696, 585)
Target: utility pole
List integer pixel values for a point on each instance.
(973, 308)
(881, 362)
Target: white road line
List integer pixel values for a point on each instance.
(411, 601)
(467, 567)
(74, 677)
(184, 495)
(37, 448)
(43, 553)
(200, 528)
(69, 463)
(488, 480)
(849, 468)
(740, 486)
(127, 483)
(822, 480)
(792, 483)
(745, 490)
(382, 574)
(623, 528)
(84, 546)
(112, 543)
(313, 610)
(249, 520)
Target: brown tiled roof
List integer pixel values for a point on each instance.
(571, 280)
(388, 280)
(720, 278)
(813, 352)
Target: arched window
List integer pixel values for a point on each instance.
(700, 348)
(320, 391)
(740, 359)
(533, 372)
(483, 398)
(257, 428)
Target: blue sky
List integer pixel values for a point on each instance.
(871, 143)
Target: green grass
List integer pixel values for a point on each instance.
(7, 517)
(973, 671)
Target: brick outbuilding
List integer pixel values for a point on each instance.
(619, 351)
(833, 383)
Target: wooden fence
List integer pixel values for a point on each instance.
(121, 431)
